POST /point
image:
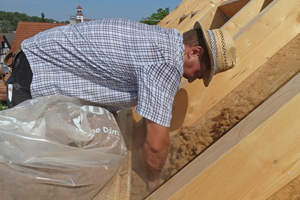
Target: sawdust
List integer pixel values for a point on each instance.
(190, 141)
(185, 146)
(291, 191)
(27, 188)
(139, 187)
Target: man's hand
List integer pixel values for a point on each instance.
(155, 152)
(152, 185)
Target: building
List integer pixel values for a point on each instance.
(79, 16)
(4, 48)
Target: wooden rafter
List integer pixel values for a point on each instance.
(205, 9)
(253, 160)
(245, 15)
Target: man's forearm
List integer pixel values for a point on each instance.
(155, 151)
(154, 161)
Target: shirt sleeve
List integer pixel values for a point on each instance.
(157, 87)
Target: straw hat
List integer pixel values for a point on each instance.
(221, 51)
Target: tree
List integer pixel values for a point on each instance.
(43, 17)
(9, 20)
(6, 26)
(156, 17)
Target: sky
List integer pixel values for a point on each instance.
(61, 10)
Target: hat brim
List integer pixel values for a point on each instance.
(207, 77)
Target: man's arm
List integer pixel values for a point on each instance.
(155, 152)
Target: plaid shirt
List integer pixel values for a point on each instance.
(116, 63)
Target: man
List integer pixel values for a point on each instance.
(117, 64)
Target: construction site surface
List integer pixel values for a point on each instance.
(237, 138)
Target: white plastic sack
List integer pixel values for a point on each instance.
(54, 148)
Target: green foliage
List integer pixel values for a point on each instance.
(156, 17)
(2, 106)
(43, 17)
(9, 20)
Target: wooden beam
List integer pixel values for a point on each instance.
(171, 15)
(186, 19)
(289, 191)
(230, 8)
(256, 43)
(258, 87)
(195, 10)
(177, 12)
(266, 159)
(205, 9)
(118, 188)
(185, 15)
(245, 15)
(213, 19)
(253, 160)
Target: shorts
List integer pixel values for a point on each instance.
(18, 84)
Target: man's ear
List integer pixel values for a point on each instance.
(197, 51)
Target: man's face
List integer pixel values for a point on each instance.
(193, 68)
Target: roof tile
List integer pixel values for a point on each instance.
(29, 29)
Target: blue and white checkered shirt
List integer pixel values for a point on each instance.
(117, 63)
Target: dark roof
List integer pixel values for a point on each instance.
(79, 7)
(29, 29)
(4, 37)
(9, 37)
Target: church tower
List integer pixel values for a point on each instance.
(79, 14)
(79, 17)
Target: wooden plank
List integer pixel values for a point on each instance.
(255, 45)
(289, 191)
(177, 12)
(125, 171)
(230, 8)
(218, 170)
(245, 15)
(216, 19)
(135, 117)
(205, 9)
(213, 19)
(173, 23)
(196, 9)
(118, 188)
(196, 5)
(171, 15)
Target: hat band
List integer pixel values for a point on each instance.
(213, 49)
